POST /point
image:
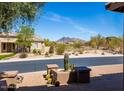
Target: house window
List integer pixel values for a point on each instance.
(35, 45)
(4, 46)
(13, 46)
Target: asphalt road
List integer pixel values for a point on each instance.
(38, 65)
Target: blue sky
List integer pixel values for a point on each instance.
(79, 20)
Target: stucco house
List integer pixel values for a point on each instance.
(8, 43)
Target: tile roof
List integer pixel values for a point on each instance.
(14, 34)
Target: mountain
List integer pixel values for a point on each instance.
(69, 39)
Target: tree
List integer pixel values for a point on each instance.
(18, 12)
(49, 43)
(25, 37)
(97, 41)
(51, 49)
(46, 42)
(114, 42)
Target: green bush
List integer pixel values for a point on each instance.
(49, 81)
(34, 51)
(47, 54)
(71, 67)
(102, 53)
(51, 49)
(39, 52)
(77, 44)
(48, 76)
(23, 55)
(60, 49)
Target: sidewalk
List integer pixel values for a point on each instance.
(108, 77)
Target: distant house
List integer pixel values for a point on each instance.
(8, 43)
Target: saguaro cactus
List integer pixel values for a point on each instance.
(66, 60)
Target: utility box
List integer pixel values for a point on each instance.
(83, 74)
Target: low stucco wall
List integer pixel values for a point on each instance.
(64, 77)
(39, 46)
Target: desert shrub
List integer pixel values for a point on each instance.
(102, 53)
(39, 52)
(77, 44)
(23, 55)
(73, 52)
(60, 49)
(76, 53)
(71, 67)
(48, 76)
(81, 51)
(49, 81)
(47, 54)
(34, 51)
(51, 49)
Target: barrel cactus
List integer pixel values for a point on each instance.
(66, 60)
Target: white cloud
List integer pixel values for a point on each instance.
(53, 17)
(85, 30)
(80, 28)
(58, 18)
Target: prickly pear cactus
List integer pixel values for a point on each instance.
(66, 60)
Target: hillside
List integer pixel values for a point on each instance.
(69, 39)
